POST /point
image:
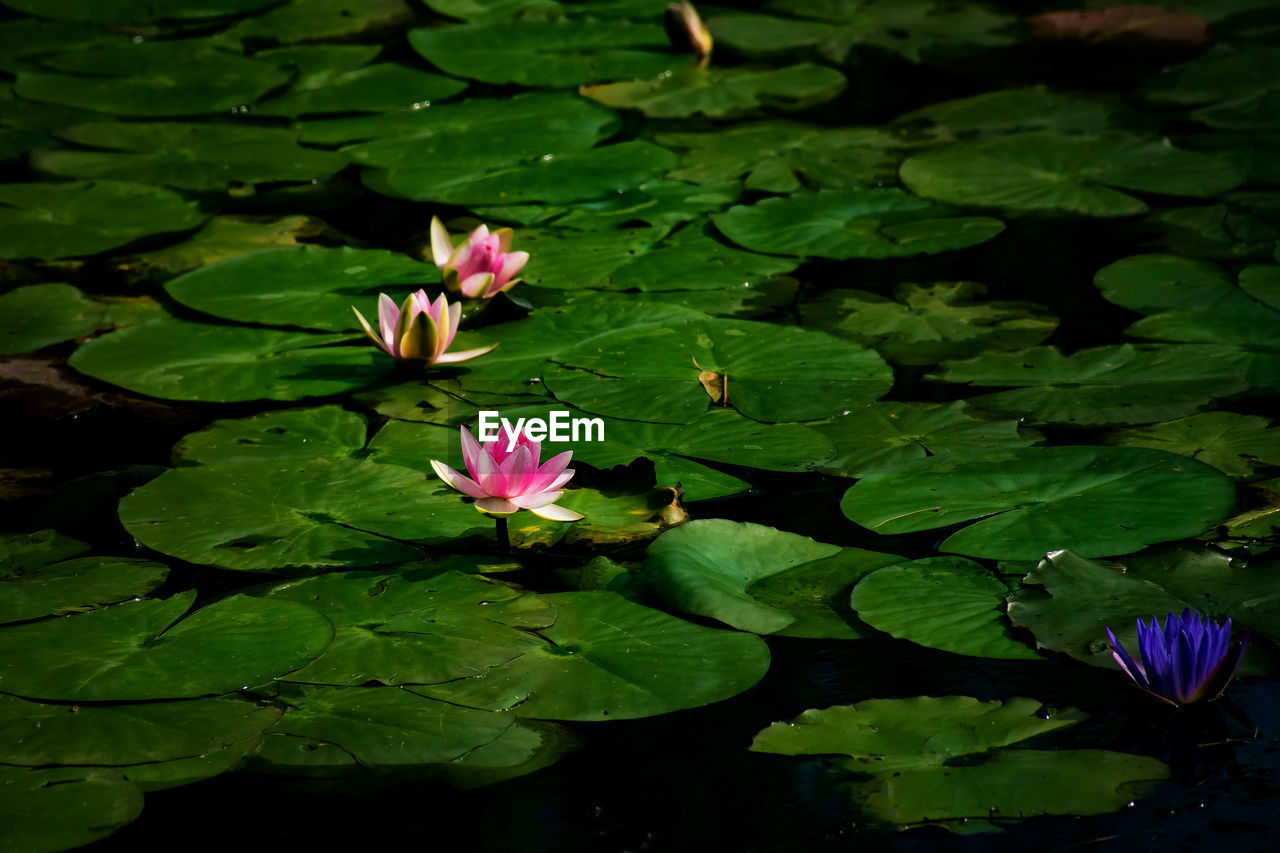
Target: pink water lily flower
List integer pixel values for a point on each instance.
(420, 329)
(504, 481)
(482, 267)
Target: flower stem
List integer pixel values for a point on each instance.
(504, 541)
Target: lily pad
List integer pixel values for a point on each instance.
(43, 220)
(35, 735)
(39, 315)
(567, 52)
(181, 360)
(146, 650)
(303, 434)
(291, 515)
(1097, 501)
(817, 594)
(606, 658)
(308, 286)
(1042, 172)
(882, 436)
(1226, 73)
(662, 204)
(43, 811)
(1150, 284)
(929, 323)
(915, 29)
(704, 568)
(869, 223)
(153, 78)
(1237, 445)
(784, 156)
(383, 87)
(768, 373)
(135, 11)
(23, 552)
(1105, 386)
(721, 92)
(570, 177)
(310, 20)
(415, 628)
(947, 603)
(1008, 111)
(187, 156)
(76, 584)
(915, 751)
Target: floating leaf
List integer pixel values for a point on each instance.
(23, 552)
(1237, 445)
(304, 434)
(63, 807)
(882, 436)
(870, 223)
(70, 585)
(39, 315)
(773, 373)
(135, 11)
(947, 603)
(146, 649)
(222, 237)
(42, 220)
(784, 156)
(1043, 172)
(1096, 501)
(1111, 385)
(662, 204)
(1225, 73)
(288, 515)
(720, 92)
(929, 323)
(187, 156)
(547, 53)
(817, 594)
(310, 20)
(1154, 283)
(383, 87)
(606, 658)
(181, 360)
(1008, 111)
(308, 286)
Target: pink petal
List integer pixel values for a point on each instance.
(550, 470)
(497, 506)
(489, 475)
(441, 245)
(388, 317)
(368, 330)
(552, 512)
(559, 481)
(536, 501)
(511, 264)
(518, 469)
(479, 235)
(463, 484)
(471, 453)
(464, 355)
(476, 286)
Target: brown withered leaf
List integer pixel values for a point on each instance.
(1122, 23)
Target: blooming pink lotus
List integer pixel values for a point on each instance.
(504, 481)
(482, 267)
(420, 329)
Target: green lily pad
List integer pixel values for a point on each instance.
(568, 177)
(784, 156)
(414, 628)
(24, 552)
(1105, 386)
(646, 260)
(663, 204)
(929, 323)
(291, 515)
(135, 11)
(915, 29)
(947, 603)
(146, 650)
(1237, 445)
(39, 315)
(292, 434)
(76, 584)
(704, 568)
(310, 20)
(882, 436)
(501, 10)
(1225, 73)
(1151, 284)
(42, 220)
(566, 52)
(545, 121)
(161, 775)
(308, 286)
(180, 360)
(153, 78)
(1008, 111)
(1245, 226)
(817, 594)
(24, 40)
(770, 373)
(44, 811)
(383, 87)
(1043, 172)
(917, 753)
(606, 658)
(721, 92)
(612, 516)
(1068, 601)
(869, 223)
(1096, 501)
(187, 156)
(35, 735)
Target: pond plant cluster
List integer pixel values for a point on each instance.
(933, 344)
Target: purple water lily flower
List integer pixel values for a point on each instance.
(1187, 659)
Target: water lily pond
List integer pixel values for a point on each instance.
(782, 425)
